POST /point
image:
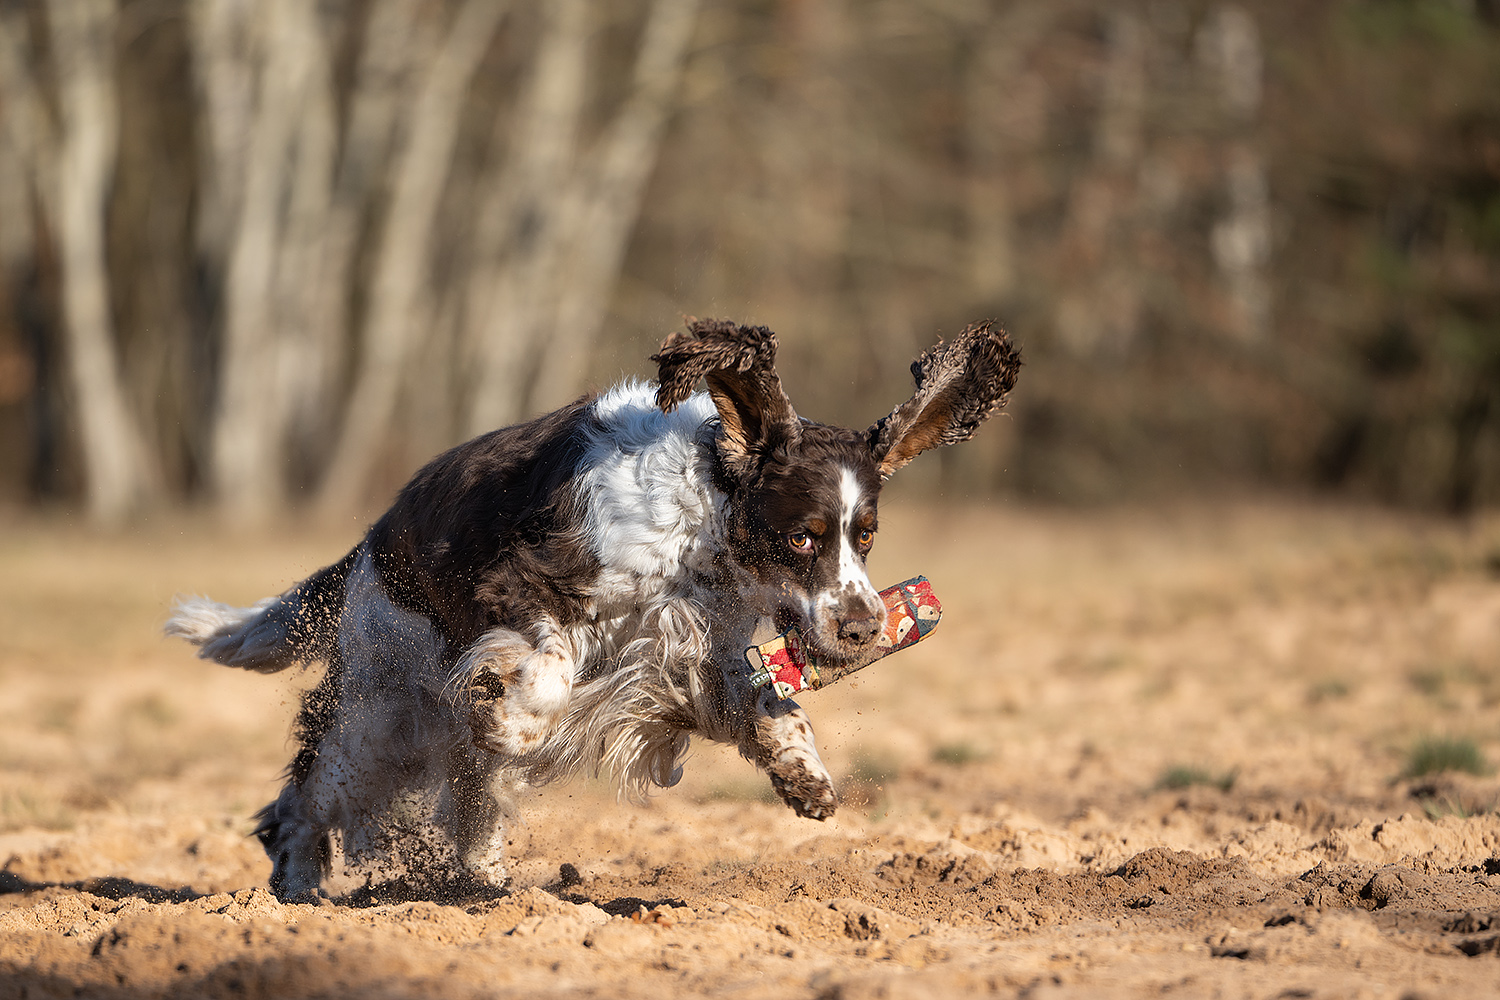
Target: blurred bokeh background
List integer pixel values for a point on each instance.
(262, 255)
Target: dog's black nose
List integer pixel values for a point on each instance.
(860, 630)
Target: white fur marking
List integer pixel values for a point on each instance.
(852, 574)
(537, 681)
(402, 649)
(648, 489)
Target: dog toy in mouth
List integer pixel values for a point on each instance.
(788, 666)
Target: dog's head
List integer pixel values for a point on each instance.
(803, 496)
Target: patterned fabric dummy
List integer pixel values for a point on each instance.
(788, 666)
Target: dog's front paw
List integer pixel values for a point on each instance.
(785, 748)
(516, 692)
(504, 728)
(810, 795)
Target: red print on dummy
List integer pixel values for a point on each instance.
(912, 612)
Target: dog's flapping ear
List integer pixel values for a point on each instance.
(739, 365)
(959, 384)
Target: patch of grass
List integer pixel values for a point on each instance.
(59, 714)
(152, 709)
(1446, 806)
(1436, 754)
(1428, 681)
(1091, 664)
(957, 754)
(758, 790)
(1156, 688)
(1449, 679)
(1328, 689)
(1180, 776)
(874, 767)
(86, 797)
(21, 809)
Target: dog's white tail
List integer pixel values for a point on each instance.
(298, 626)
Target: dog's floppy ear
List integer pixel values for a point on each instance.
(959, 384)
(739, 365)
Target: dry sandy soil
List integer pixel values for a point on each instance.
(1148, 752)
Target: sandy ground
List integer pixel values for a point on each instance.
(1147, 753)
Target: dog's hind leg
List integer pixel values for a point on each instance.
(474, 813)
(353, 753)
(294, 829)
(346, 780)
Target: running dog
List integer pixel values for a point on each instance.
(576, 593)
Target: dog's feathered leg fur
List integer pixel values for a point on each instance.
(298, 846)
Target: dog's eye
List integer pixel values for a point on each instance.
(866, 538)
(800, 541)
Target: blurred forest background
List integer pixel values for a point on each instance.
(271, 254)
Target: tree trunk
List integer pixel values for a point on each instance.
(248, 448)
(520, 230)
(1241, 240)
(224, 70)
(395, 37)
(611, 202)
(24, 146)
(399, 305)
(117, 465)
(560, 221)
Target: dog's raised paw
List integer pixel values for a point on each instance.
(810, 796)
